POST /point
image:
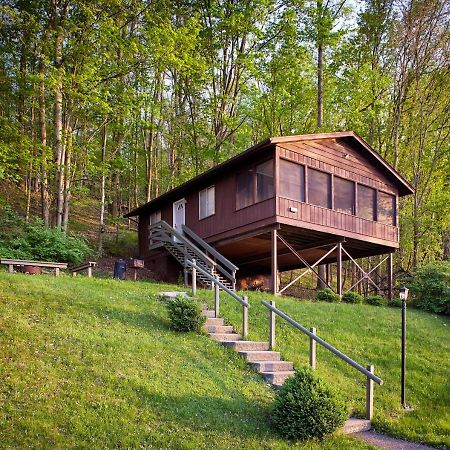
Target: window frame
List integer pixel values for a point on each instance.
(394, 204)
(252, 169)
(333, 193)
(213, 186)
(304, 180)
(330, 191)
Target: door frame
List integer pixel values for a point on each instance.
(174, 209)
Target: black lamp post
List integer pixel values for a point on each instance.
(403, 297)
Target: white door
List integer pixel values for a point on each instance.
(179, 215)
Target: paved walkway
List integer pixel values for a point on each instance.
(387, 442)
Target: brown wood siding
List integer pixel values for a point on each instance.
(336, 222)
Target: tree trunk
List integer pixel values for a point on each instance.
(102, 194)
(45, 197)
(319, 84)
(67, 171)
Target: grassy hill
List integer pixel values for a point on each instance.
(92, 363)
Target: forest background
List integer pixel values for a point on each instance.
(122, 100)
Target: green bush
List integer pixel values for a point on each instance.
(327, 295)
(375, 300)
(352, 297)
(305, 407)
(430, 288)
(32, 240)
(185, 314)
(395, 303)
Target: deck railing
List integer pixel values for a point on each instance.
(218, 284)
(368, 372)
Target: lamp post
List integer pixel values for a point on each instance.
(403, 297)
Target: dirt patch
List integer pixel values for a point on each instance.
(105, 267)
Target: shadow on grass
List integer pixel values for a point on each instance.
(235, 416)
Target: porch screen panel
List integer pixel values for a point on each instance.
(244, 189)
(366, 202)
(319, 188)
(344, 195)
(264, 181)
(386, 208)
(292, 180)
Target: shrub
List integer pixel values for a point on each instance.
(185, 314)
(32, 240)
(306, 407)
(352, 297)
(327, 295)
(430, 288)
(375, 300)
(395, 303)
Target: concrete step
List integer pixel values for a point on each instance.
(208, 313)
(354, 425)
(219, 328)
(224, 337)
(273, 366)
(254, 356)
(247, 345)
(277, 378)
(211, 321)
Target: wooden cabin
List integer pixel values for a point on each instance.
(283, 204)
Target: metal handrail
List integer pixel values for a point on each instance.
(325, 344)
(219, 283)
(167, 228)
(210, 249)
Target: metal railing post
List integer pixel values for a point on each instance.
(194, 278)
(245, 317)
(272, 327)
(369, 394)
(216, 300)
(312, 349)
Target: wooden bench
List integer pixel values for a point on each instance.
(85, 266)
(43, 264)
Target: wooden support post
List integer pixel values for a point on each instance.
(245, 318)
(272, 327)
(10, 268)
(216, 300)
(89, 272)
(194, 278)
(339, 269)
(390, 278)
(369, 394)
(274, 263)
(312, 349)
(74, 274)
(186, 276)
(57, 271)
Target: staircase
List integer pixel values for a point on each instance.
(258, 354)
(268, 363)
(189, 246)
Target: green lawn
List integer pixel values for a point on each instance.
(91, 363)
(369, 335)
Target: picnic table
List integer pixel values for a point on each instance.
(43, 264)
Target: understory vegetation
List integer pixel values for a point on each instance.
(31, 240)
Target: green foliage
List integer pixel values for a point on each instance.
(375, 300)
(431, 288)
(306, 407)
(32, 240)
(352, 297)
(124, 245)
(395, 303)
(185, 314)
(327, 295)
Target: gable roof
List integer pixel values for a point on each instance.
(350, 137)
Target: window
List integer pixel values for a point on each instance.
(244, 189)
(319, 188)
(292, 180)
(206, 202)
(264, 181)
(155, 217)
(344, 195)
(386, 208)
(254, 185)
(366, 202)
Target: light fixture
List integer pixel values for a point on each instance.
(403, 293)
(293, 209)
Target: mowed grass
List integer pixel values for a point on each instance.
(91, 363)
(369, 335)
